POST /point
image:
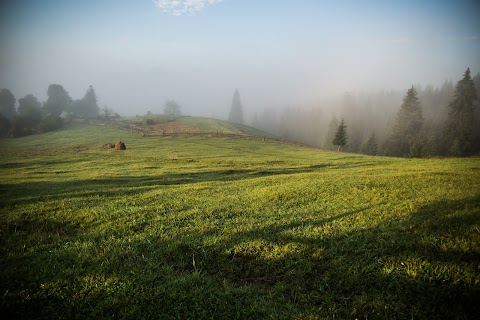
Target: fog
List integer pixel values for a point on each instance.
(138, 54)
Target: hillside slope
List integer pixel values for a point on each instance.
(189, 124)
(203, 227)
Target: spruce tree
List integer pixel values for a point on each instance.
(236, 112)
(406, 134)
(90, 103)
(370, 146)
(340, 136)
(332, 129)
(461, 117)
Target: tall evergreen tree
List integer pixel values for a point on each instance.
(236, 111)
(86, 107)
(370, 146)
(90, 104)
(340, 136)
(406, 136)
(476, 117)
(332, 129)
(461, 116)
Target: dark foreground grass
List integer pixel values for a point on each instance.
(196, 228)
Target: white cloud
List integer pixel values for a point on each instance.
(179, 7)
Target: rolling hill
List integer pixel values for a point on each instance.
(158, 124)
(198, 227)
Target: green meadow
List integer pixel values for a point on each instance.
(224, 228)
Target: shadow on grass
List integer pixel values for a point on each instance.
(129, 185)
(401, 269)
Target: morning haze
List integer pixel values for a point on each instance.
(232, 159)
(138, 54)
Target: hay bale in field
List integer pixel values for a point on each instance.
(108, 145)
(120, 146)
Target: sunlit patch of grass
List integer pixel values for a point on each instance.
(196, 227)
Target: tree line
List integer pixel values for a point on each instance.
(424, 122)
(31, 116)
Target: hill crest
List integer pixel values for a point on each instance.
(167, 125)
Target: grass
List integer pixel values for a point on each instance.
(229, 228)
(201, 124)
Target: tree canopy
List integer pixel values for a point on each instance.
(461, 116)
(340, 138)
(370, 146)
(58, 100)
(172, 108)
(86, 107)
(30, 108)
(7, 104)
(236, 111)
(405, 137)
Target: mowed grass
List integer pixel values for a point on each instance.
(196, 228)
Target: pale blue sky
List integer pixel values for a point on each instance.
(138, 53)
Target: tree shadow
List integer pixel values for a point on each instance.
(399, 269)
(130, 185)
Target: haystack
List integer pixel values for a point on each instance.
(120, 146)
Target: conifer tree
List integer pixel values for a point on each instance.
(236, 112)
(332, 129)
(461, 116)
(406, 134)
(340, 136)
(90, 103)
(370, 146)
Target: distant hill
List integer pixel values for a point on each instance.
(189, 124)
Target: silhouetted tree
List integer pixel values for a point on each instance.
(406, 138)
(236, 111)
(476, 116)
(30, 109)
(172, 108)
(7, 104)
(340, 136)
(461, 117)
(370, 146)
(332, 129)
(90, 99)
(58, 100)
(7, 110)
(87, 107)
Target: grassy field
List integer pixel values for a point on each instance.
(184, 124)
(196, 228)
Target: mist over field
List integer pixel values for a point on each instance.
(138, 54)
(232, 159)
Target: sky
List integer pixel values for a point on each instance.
(139, 53)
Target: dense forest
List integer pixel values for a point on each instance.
(420, 122)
